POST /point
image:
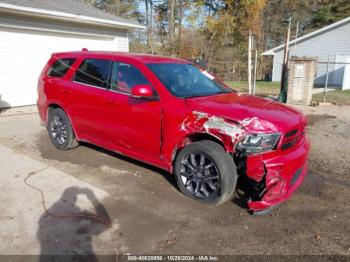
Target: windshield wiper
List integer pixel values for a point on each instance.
(210, 94)
(197, 95)
(222, 92)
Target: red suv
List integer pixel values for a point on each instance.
(170, 114)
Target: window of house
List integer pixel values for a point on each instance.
(93, 72)
(60, 67)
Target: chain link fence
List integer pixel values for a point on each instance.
(334, 72)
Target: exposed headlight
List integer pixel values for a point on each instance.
(255, 143)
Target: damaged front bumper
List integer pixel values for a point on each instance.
(276, 175)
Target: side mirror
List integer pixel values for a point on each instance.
(142, 91)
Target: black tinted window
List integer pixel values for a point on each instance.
(125, 77)
(185, 80)
(60, 67)
(93, 72)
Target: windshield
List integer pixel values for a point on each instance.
(186, 80)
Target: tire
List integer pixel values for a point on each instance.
(216, 174)
(60, 130)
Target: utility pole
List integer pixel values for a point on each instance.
(255, 69)
(283, 93)
(250, 63)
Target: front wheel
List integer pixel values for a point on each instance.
(206, 172)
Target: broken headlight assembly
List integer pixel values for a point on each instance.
(257, 143)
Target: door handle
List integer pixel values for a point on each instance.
(113, 103)
(65, 91)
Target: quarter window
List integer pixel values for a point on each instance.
(125, 77)
(93, 72)
(60, 67)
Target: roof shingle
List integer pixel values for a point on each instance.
(77, 7)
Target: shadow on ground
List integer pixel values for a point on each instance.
(67, 229)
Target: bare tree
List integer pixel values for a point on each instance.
(171, 21)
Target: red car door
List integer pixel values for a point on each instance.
(134, 123)
(86, 103)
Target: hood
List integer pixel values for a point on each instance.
(240, 107)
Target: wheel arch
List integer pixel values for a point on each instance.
(54, 105)
(191, 138)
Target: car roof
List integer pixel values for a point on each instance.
(143, 58)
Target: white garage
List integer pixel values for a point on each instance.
(30, 31)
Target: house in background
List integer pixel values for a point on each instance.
(332, 41)
(31, 30)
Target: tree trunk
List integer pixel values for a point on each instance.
(180, 27)
(211, 50)
(117, 7)
(151, 26)
(171, 25)
(147, 25)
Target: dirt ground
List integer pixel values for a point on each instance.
(155, 218)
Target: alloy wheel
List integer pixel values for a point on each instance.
(58, 130)
(200, 175)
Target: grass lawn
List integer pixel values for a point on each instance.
(263, 88)
(338, 97)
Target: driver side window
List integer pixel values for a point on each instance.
(125, 76)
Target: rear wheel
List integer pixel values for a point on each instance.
(60, 130)
(205, 172)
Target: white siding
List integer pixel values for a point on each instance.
(23, 54)
(332, 42)
(277, 66)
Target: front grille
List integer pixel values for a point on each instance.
(289, 144)
(296, 176)
(291, 133)
(291, 138)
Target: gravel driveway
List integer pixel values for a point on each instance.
(145, 211)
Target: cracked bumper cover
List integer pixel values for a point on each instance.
(282, 172)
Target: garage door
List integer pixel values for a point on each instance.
(24, 54)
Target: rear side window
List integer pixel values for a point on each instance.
(93, 72)
(60, 67)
